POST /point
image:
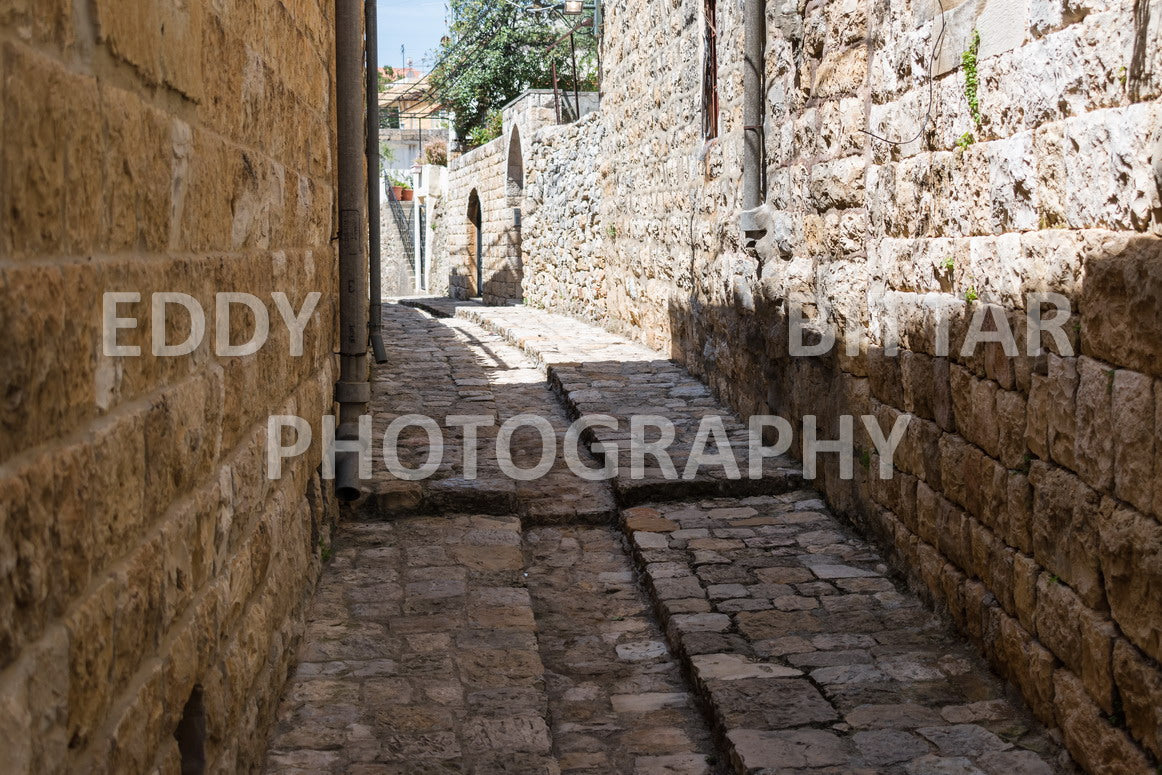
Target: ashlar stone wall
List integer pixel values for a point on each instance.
(148, 147)
(482, 171)
(1026, 497)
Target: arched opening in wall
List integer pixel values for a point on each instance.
(191, 734)
(515, 181)
(476, 243)
(514, 190)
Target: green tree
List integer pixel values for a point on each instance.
(387, 75)
(495, 51)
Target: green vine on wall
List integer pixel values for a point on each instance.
(971, 78)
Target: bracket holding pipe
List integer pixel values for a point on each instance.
(352, 392)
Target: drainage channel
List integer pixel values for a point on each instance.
(617, 699)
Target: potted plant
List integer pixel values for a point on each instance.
(399, 188)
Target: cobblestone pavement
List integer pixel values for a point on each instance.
(442, 369)
(745, 629)
(420, 657)
(810, 658)
(617, 699)
(597, 372)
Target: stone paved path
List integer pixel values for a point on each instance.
(447, 368)
(596, 372)
(471, 644)
(618, 702)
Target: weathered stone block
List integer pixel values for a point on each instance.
(1134, 443)
(1065, 531)
(1079, 637)
(180, 43)
(1096, 745)
(1037, 415)
(49, 21)
(132, 31)
(47, 398)
(1140, 686)
(91, 632)
(139, 153)
(183, 436)
(838, 184)
(35, 693)
(1062, 391)
(1011, 427)
(960, 382)
(1157, 510)
(841, 73)
(1093, 444)
(1026, 573)
(1018, 520)
(34, 178)
(1131, 562)
(1121, 305)
(1026, 663)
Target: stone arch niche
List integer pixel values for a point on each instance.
(475, 245)
(515, 178)
(514, 188)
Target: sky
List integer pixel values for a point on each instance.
(416, 24)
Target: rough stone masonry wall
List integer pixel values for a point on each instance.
(564, 242)
(396, 273)
(1026, 498)
(156, 147)
(484, 171)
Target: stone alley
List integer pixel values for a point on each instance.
(698, 632)
(581, 387)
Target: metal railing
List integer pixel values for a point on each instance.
(403, 223)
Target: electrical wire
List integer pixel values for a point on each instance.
(931, 88)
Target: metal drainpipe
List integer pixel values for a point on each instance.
(754, 65)
(353, 390)
(373, 181)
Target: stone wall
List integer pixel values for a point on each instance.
(564, 239)
(441, 271)
(396, 271)
(150, 147)
(482, 171)
(1026, 497)
(501, 174)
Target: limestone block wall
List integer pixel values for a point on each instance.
(144, 554)
(483, 171)
(1026, 495)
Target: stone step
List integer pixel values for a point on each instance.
(440, 367)
(597, 372)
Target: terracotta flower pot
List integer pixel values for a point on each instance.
(407, 195)
(397, 192)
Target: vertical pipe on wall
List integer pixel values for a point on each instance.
(754, 65)
(373, 180)
(353, 391)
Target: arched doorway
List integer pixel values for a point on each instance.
(476, 241)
